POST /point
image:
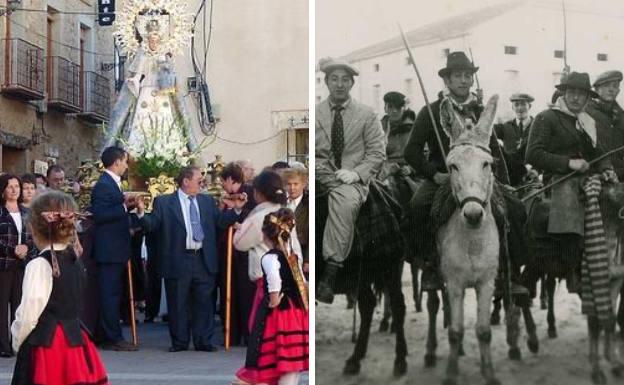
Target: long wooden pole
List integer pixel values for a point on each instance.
(570, 174)
(228, 288)
(135, 337)
(422, 87)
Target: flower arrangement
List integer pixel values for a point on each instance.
(160, 148)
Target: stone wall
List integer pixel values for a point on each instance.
(53, 136)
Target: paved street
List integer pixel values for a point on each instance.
(155, 366)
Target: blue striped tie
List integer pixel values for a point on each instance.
(198, 232)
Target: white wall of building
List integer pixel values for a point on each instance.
(257, 64)
(536, 30)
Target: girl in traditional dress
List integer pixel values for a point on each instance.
(278, 347)
(270, 195)
(52, 346)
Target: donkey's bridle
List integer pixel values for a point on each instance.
(476, 200)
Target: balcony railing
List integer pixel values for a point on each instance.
(95, 97)
(22, 69)
(63, 84)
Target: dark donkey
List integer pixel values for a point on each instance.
(551, 256)
(375, 262)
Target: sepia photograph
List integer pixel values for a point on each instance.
(154, 160)
(468, 157)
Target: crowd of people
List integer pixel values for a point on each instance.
(406, 151)
(179, 246)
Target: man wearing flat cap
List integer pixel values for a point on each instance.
(350, 149)
(609, 117)
(397, 126)
(514, 135)
(458, 77)
(563, 139)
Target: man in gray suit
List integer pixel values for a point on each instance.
(350, 149)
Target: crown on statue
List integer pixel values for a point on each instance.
(152, 26)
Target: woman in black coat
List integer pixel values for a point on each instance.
(15, 247)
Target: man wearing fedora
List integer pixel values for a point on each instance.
(458, 77)
(563, 139)
(609, 117)
(350, 149)
(514, 135)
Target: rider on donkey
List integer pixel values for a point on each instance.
(458, 76)
(564, 139)
(397, 125)
(609, 117)
(350, 149)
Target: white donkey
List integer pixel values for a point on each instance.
(468, 244)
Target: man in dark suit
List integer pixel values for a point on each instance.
(186, 223)
(111, 244)
(514, 135)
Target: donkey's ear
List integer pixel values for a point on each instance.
(486, 122)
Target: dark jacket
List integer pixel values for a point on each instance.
(64, 304)
(167, 221)
(397, 136)
(514, 139)
(302, 224)
(554, 140)
(112, 228)
(515, 142)
(9, 239)
(610, 130)
(423, 135)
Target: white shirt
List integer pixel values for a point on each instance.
(191, 244)
(17, 218)
(115, 177)
(525, 123)
(36, 290)
(292, 204)
(249, 238)
(271, 266)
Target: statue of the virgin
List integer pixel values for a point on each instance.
(149, 111)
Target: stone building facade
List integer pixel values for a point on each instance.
(54, 94)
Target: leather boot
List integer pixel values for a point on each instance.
(325, 289)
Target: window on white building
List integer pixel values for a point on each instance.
(318, 80)
(318, 99)
(376, 67)
(511, 50)
(408, 61)
(559, 54)
(446, 52)
(602, 57)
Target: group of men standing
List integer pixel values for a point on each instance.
(185, 225)
(405, 151)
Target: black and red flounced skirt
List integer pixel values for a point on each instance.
(59, 363)
(280, 346)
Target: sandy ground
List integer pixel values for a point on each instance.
(563, 360)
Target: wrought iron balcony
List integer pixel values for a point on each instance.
(22, 70)
(63, 84)
(95, 97)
